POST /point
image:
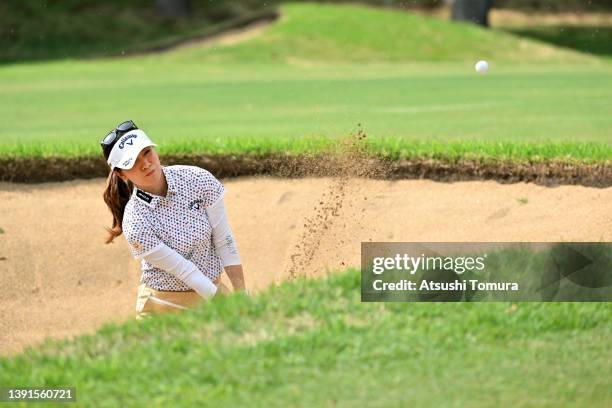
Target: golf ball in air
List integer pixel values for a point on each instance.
(482, 67)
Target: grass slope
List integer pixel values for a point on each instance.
(340, 33)
(312, 343)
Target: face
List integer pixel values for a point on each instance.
(146, 172)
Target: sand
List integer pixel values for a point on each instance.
(59, 279)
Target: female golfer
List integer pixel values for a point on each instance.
(173, 219)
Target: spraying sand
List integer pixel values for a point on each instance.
(59, 279)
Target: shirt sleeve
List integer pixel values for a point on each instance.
(211, 188)
(140, 236)
(225, 244)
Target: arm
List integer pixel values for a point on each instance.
(167, 259)
(145, 244)
(225, 244)
(236, 276)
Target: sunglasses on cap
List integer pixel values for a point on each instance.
(109, 141)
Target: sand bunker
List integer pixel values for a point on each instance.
(59, 279)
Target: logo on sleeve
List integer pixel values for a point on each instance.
(137, 246)
(144, 196)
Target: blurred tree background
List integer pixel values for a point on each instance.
(49, 29)
(44, 29)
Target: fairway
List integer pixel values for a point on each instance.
(189, 108)
(219, 100)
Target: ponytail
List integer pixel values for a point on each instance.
(116, 195)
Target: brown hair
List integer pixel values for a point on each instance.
(116, 195)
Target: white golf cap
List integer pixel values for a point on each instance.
(126, 149)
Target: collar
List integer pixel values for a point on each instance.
(170, 179)
(150, 199)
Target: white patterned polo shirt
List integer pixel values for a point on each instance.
(178, 220)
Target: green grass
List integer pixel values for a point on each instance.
(190, 101)
(312, 343)
(309, 31)
(422, 109)
(341, 33)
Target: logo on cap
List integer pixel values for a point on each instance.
(127, 140)
(128, 161)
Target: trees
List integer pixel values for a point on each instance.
(475, 11)
(174, 8)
